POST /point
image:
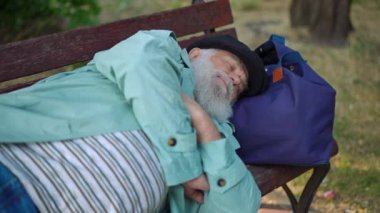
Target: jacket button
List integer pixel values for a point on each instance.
(221, 182)
(172, 142)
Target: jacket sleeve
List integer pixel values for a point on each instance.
(232, 187)
(148, 70)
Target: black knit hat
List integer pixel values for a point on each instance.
(257, 79)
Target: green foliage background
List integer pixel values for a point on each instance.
(21, 19)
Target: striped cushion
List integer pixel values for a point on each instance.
(116, 172)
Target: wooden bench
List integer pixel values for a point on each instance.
(29, 58)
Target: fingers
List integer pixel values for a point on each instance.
(190, 104)
(185, 97)
(194, 189)
(201, 183)
(195, 195)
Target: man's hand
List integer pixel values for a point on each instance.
(196, 112)
(201, 121)
(194, 189)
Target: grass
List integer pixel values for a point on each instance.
(245, 5)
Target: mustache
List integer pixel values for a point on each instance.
(226, 79)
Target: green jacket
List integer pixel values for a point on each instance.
(137, 84)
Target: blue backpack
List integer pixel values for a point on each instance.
(292, 121)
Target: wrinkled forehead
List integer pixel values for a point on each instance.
(231, 58)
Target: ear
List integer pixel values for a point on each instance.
(195, 52)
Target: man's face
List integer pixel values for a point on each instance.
(220, 78)
(233, 68)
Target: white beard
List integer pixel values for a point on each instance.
(213, 98)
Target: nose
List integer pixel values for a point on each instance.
(235, 78)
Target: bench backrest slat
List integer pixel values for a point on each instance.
(32, 56)
(183, 43)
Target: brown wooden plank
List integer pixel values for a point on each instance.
(60, 49)
(183, 43)
(269, 178)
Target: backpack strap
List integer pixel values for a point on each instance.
(292, 61)
(277, 38)
(292, 58)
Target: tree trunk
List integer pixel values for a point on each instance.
(328, 20)
(302, 12)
